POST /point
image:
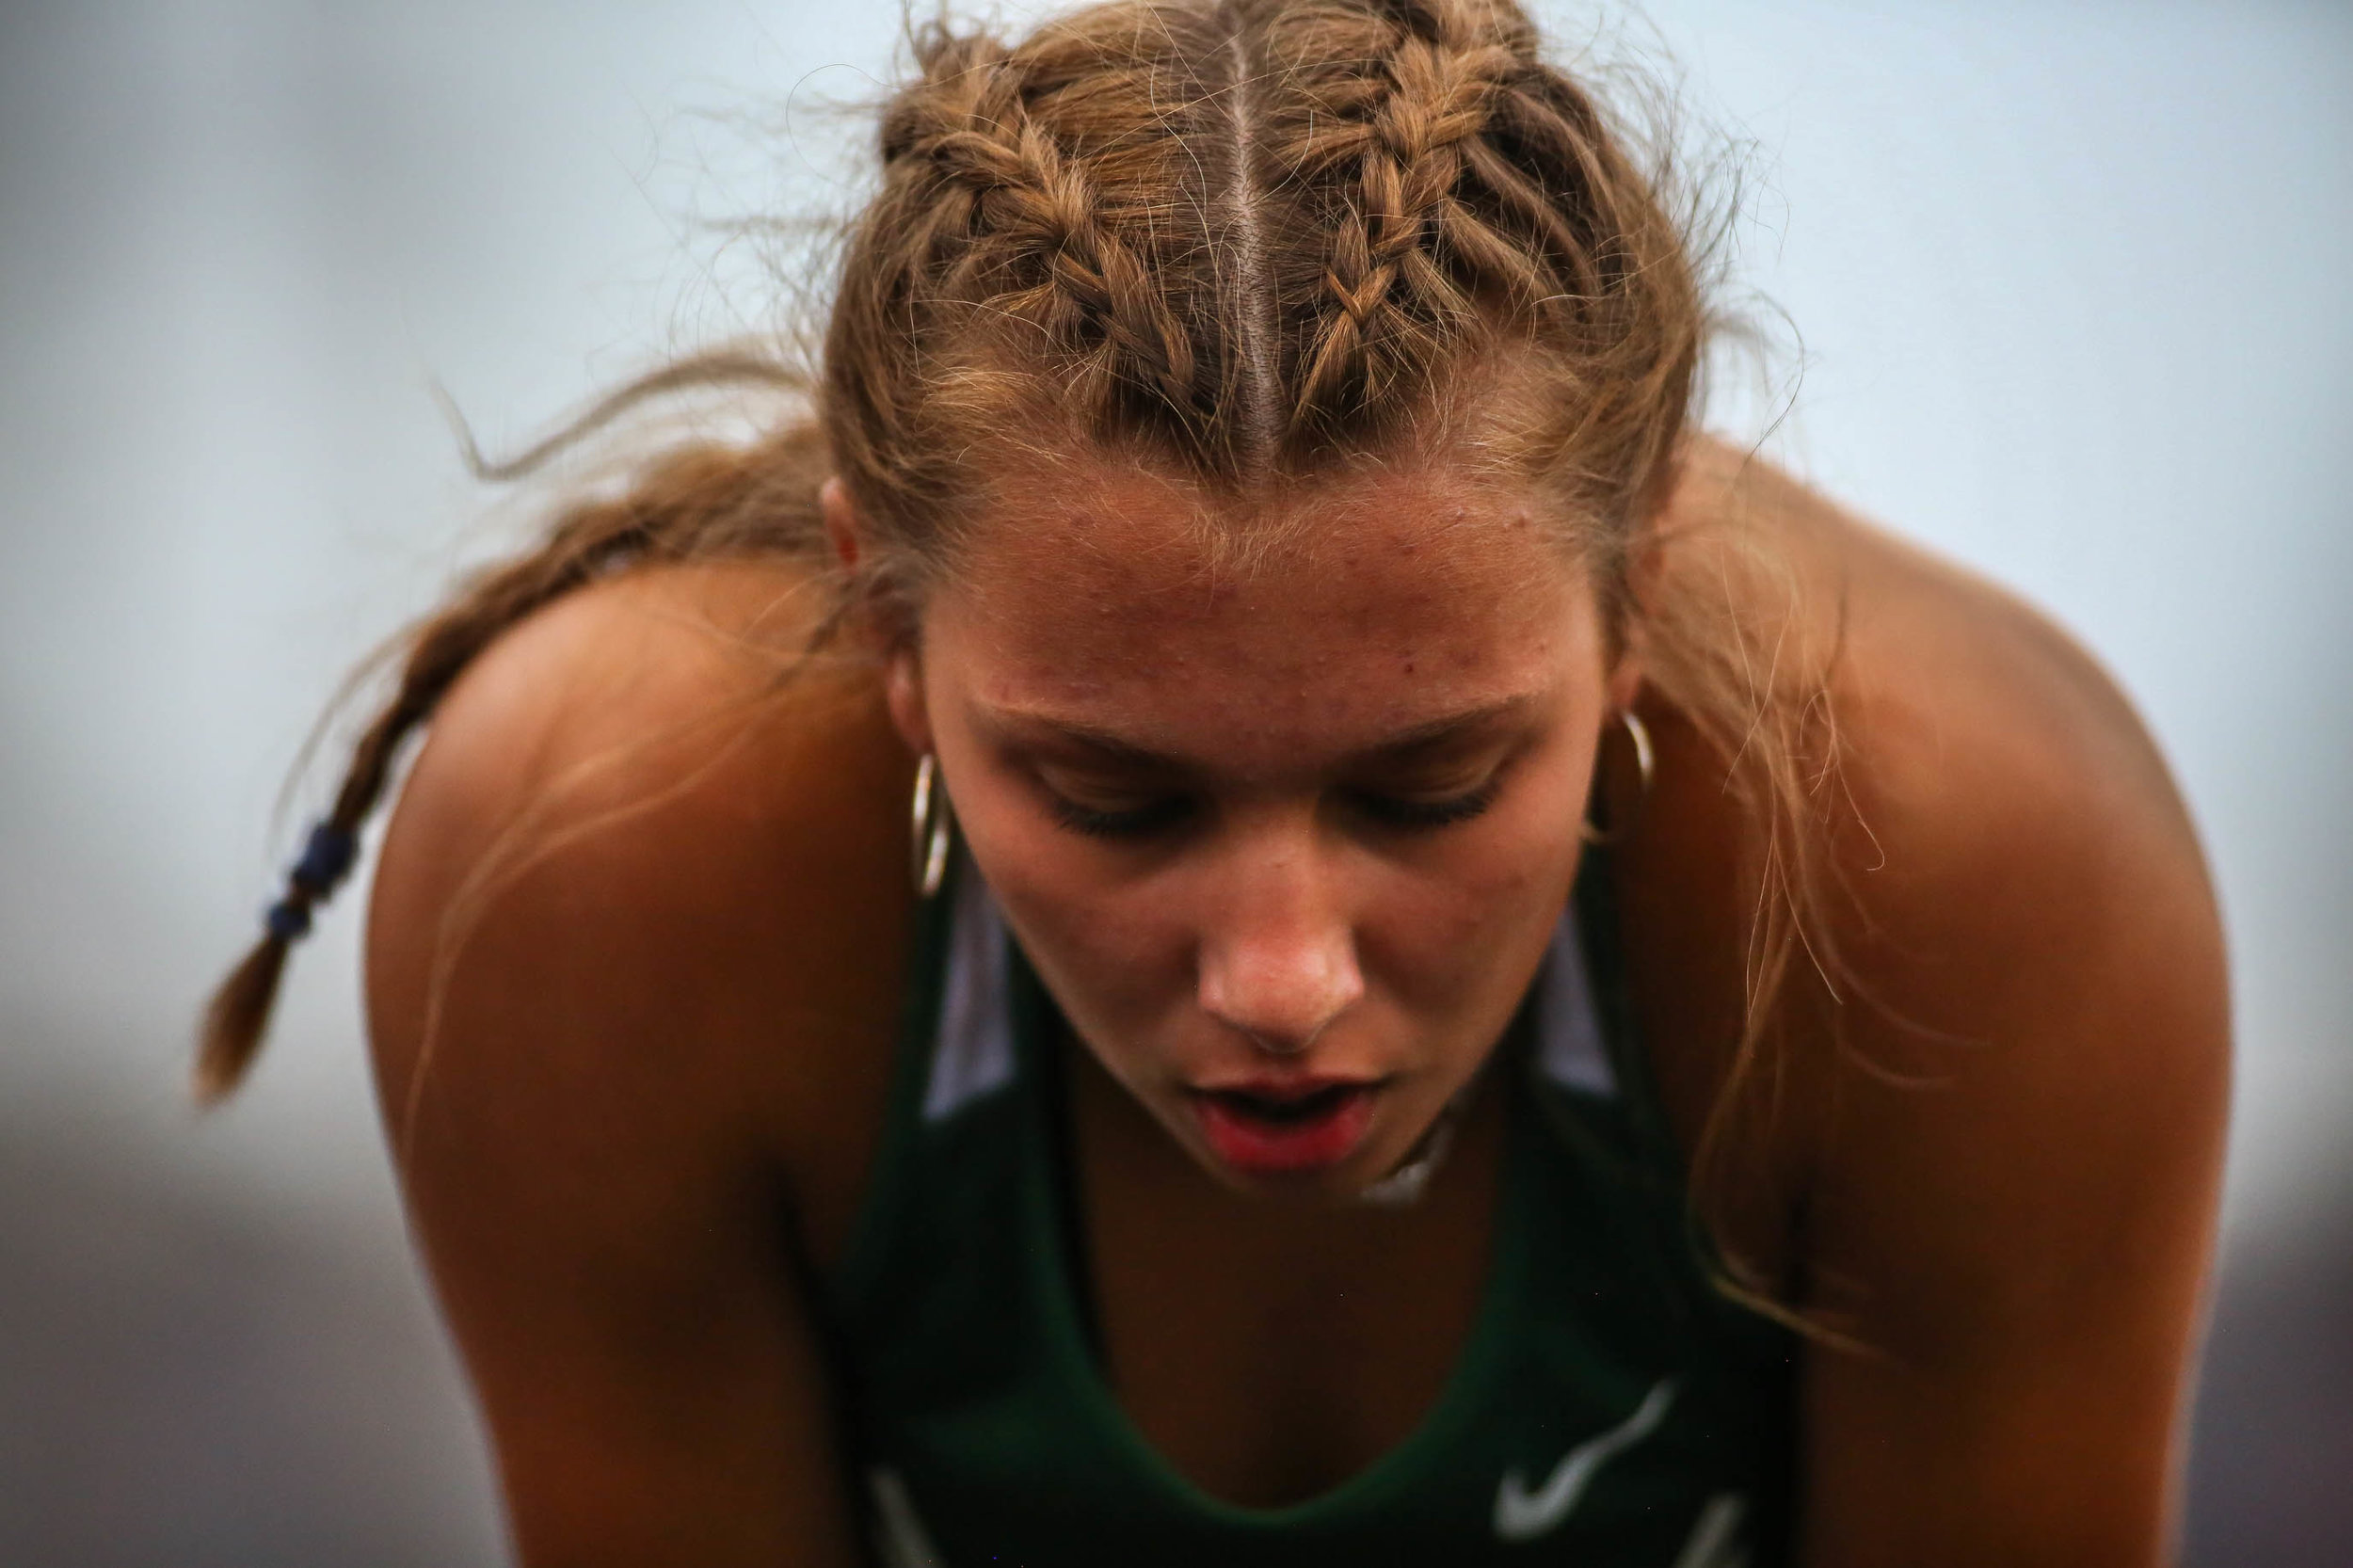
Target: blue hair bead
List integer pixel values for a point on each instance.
(288, 920)
(325, 859)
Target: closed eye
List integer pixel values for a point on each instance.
(1401, 812)
(1416, 813)
(1136, 822)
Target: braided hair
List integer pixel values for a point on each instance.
(1250, 239)
(1247, 241)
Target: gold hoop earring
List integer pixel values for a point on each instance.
(927, 828)
(1645, 763)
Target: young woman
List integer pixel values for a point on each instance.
(1242, 909)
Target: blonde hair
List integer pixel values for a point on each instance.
(1246, 241)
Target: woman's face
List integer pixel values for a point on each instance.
(1286, 840)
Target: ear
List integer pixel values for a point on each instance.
(843, 527)
(1624, 681)
(903, 692)
(902, 656)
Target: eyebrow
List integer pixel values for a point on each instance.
(1418, 737)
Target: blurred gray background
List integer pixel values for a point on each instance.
(2072, 285)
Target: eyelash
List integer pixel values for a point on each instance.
(1140, 822)
(1395, 811)
(1388, 810)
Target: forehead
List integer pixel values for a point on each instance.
(1110, 595)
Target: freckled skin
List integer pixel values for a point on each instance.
(1358, 953)
(1994, 1163)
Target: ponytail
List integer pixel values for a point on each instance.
(699, 502)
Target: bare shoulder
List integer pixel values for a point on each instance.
(1994, 1104)
(2008, 1090)
(1997, 785)
(647, 872)
(2013, 1126)
(2011, 843)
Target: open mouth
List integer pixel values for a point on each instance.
(1270, 1130)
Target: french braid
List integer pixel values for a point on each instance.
(1244, 240)
(1245, 237)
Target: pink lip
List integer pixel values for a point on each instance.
(1269, 1127)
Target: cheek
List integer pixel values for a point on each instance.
(1452, 939)
(1457, 929)
(1117, 956)
(1120, 968)
(1123, 949)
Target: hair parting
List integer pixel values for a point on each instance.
(1243, 243)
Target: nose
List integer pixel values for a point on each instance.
(1278, 955)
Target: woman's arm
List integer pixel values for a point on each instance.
(2014, 1190)
(618, 1083)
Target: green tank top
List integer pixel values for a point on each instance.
(1610, 1406)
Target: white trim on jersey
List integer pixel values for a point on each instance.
(973, 1055)
(1569, 1048)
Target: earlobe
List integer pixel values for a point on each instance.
(903, 668)
(1626, 682)
(903, 692)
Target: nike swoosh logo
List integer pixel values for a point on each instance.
(1715, 1541)
(1523, 1515)
(899, 1536)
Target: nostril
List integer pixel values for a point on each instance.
(1267, 1044)
(1277, 951)
(1281, 1008)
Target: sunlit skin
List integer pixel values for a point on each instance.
(642, 1106)
(1306, 820)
